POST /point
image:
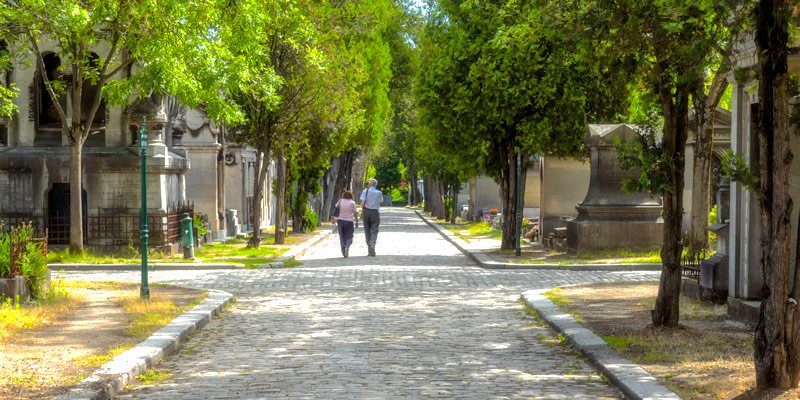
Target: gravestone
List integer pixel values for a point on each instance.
(608, 218)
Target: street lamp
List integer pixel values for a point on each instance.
(518, 219)
(144, 291)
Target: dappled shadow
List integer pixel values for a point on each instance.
(378, 344)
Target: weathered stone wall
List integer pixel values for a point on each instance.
(564, 185)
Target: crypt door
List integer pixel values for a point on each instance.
(58, 214)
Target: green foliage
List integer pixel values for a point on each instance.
(712, 215)
(372, 172)
(501, 76)
(397, 195)
(30, 258)
(197, 222)
(35, 268)
(735, 167)
(645, 155)
(712, 219)
(5, 255)
(310, 220)
(7, 94)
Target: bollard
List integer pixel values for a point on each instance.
(187, 237)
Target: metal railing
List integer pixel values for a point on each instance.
(105, 226)
(690, 265)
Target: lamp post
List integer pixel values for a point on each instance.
(518, 219)
(144, 291)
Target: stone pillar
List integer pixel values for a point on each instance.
(609, 218)
(745, 278)
(202, 181)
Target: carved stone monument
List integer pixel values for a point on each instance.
(608, 218)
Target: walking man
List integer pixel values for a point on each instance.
(371, 199)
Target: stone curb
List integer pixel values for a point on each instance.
(111, 378)
(485, 261)
(635, 382)
(150, 266)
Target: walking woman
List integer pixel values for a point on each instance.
(347, 221)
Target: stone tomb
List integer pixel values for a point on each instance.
(608, 218)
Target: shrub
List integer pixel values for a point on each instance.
(310, 220)
(5, 256)
(34, 267)
(397, 195)
(30, 259)
(197, 221)
(712, 219)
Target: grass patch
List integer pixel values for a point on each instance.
(473, 230)
(553, 296)
(100, 360)
(234, 251)
(607, 257)
(223, 251)
(15, 317)
(291, 263)
(148, 316)
(152, 376)
(617, 343)
(622, 257)
(84, 257)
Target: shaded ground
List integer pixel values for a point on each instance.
(47, 361)
(708, 358)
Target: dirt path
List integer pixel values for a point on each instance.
(47, 361)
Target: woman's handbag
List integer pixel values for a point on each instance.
(336, 211)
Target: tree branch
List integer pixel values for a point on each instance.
(43, 72)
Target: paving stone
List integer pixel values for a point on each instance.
(420, 320)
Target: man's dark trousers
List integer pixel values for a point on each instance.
(372, 219)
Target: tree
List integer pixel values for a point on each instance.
(500, 78)
(7, 93)
(672, 43)
(705, 105)
(397, 154)
(276, 39)
(113, 50)
(363, 52)
(777, 343)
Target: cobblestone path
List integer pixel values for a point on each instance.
(418, 321)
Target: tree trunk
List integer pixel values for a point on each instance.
(447, 196)
(426, 184)
(454, 201)
(414, 194)
(777, 336)
(703, 154)
(223, 223)
(280, 196)
(344, 179)
(434, 199)
(666, 311)
(328, 189)
(508, 193)
(75, 195)
(298, 208)
(262, 169)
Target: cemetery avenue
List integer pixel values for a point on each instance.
(420, 320)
